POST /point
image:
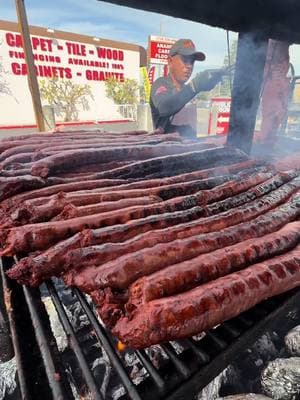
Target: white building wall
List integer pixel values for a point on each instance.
(17, 109)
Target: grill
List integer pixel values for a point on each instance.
(187, 366)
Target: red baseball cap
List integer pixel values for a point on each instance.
(185, 47)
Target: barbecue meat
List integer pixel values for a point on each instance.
(204, 307)
(121, 239)
(168, 237)
(69, 159)
(186, 275)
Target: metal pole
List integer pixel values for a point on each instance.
(161, 27)
(31, 74)
(251, 57)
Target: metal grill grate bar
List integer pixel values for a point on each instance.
(232, 331)
(201, 355)
(258, 312)
(14, 336)
(182, 376)
(245, 320)
(74, 342)
(151, 370)
(179, 365)
(104, 340)
(219, 343)
(44, 347)
(204, 375)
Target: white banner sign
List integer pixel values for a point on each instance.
(82, 63)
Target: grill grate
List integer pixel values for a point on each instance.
(189, 365)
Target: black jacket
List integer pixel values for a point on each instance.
(166, 101)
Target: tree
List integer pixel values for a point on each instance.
(223, 89)
(206, 96)
(225, 85)
(202, 96)
(142, 94)
(4, 87)
(66, 96)
(122, 92)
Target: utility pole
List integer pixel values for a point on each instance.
(31, 74)
(161, 27)
(160, 67)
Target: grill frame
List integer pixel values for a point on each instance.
(189, 371)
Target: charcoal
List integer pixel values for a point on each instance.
(281, 379)
(229, 378)
(8, 382)
(248, 396)
(56, 326)
(292, 341)
(211, 391)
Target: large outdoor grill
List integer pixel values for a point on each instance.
(220, 200)
(186, 366)
(77, 357)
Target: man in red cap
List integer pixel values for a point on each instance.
(170, 94)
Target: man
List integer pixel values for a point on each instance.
(170, 94)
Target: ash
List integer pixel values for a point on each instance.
(8, 383)
(249, 374)
(106, 377)
(270, 369)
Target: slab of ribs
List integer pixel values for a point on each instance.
(168, 237)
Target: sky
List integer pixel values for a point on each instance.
(109, 21)
(105, 20)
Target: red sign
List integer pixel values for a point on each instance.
(101, 63)
(151, 74)
(223, 123)
(159, 48)
(219, 116)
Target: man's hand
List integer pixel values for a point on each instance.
(207, 80)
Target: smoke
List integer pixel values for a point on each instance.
(260, 80)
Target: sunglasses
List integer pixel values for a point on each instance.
(186, 59)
